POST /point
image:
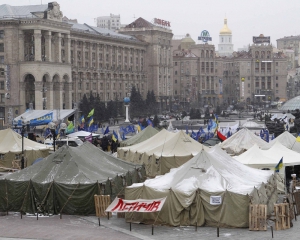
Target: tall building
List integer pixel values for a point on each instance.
(159, 58)
(290, 43)
(52, 63)
(258, 76)
(197, 75)
(225, 46)
(112, 22)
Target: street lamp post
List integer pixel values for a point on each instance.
(23, 130)
(52, 127)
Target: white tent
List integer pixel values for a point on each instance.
(241, 141)
(11, 148)
(191, 188)
(163, 151)
(258, 158)
(82, 134)
(286, 139)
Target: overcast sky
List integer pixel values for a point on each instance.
(246, 18)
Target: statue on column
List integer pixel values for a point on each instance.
(126, 102)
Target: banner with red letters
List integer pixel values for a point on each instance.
(138, 205)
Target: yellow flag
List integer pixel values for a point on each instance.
(298, 139)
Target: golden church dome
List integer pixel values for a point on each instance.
(225, 30)
(187, 39)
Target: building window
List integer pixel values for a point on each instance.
(276, 77)
(1, 34)
(1, 47)
(1, 59)
(2, 85)
(276, 64)
(175, 81)
(276, 85)
(276, 70)
(2, 98)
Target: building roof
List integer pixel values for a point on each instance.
(289, 38)
(140, 23)
(100, 31)
(8, 11)
(225, 30)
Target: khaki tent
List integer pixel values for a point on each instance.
(163, 151)
(11, 149)
(193, 188)
(241, 141)
(66, 181)
(147, 133)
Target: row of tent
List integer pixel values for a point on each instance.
(166, 150)
(186, 172)
(66, 181)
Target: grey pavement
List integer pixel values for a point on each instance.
(86, 227)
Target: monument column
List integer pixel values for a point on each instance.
(38, 94)
(48, 54)
(21, 45)
(68, 48)
(37, 45)
(58, 47)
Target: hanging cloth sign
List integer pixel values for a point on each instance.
(138, 205)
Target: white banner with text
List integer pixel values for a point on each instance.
(138, 205)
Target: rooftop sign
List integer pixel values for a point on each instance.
(204, 36)
(261, 39)
(161, 22)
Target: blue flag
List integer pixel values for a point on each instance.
(123, 136)
(106, 130)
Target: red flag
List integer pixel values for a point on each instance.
(221, 136)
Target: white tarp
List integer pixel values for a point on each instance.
(82, 134)
(242, 141)
(58, 114)
(211, 170)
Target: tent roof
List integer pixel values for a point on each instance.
(212, 170)
(147, 133)
(257, 157)
(167, 144)
(82, 134)
(242, 140)
(10, 141)
(71, 165)
(58, 114)
(286, 139)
